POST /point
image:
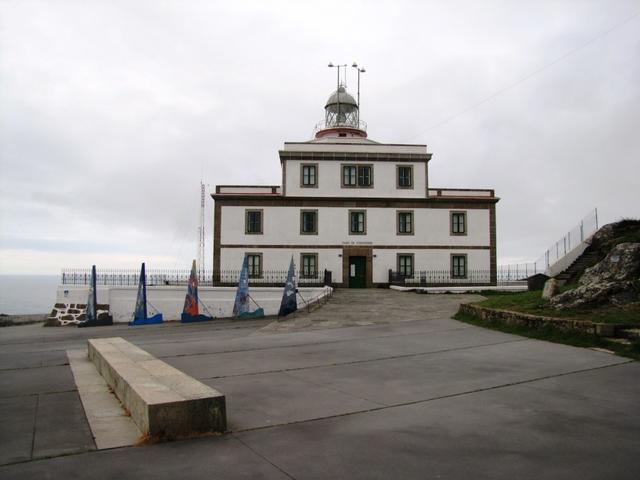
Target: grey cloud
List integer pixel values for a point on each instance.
(113, 112)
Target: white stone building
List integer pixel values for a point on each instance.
(359, 209)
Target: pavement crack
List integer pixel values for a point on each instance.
(33, 433)
(38, 393)
(367, 360)
(329, 387)
(13, 369)
(278, 467)
(432, 399)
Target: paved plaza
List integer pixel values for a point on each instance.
(375, 384)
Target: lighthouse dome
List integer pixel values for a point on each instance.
(342, 98)
(341, 117)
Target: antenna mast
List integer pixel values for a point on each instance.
(201, 236)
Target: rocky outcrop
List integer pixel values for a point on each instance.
(600, 244)
(614, 280)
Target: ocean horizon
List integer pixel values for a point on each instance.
(27, 294)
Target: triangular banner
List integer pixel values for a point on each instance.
(242, 304)
(289, 302)
(191, 310)
(92, 319)
(191, 300)
(140, 316)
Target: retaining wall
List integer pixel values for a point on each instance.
(507, 317)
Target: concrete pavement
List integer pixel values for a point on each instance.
(376, 384)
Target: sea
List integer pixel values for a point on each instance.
(27, 294)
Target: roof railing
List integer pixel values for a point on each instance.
(324, 125)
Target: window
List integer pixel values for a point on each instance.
(357, 176)
(405, 223)
(405, 176)
(364, 176)
(458, 266)
(253, 222)
(309, 175)
(458, 223)
(405, 265)
(309, 262)
(357, 222)
(349, 174)
(255, 265)
(309, 222)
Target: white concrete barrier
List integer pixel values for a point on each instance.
(163, 401)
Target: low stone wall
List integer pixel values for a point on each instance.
(507, 317)
(64, 314)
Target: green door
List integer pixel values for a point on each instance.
(357, 272)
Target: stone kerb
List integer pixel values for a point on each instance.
(163, 401)
(508, 317)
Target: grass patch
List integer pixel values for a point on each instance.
(550, 334)
(532, 302)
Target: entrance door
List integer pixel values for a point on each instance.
(357, 272)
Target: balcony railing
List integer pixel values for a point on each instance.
(323, 125)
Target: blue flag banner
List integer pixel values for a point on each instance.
(92, 319)
(289, 302)
(140, 316)
(191, 310)
(141, 301)
(242, 304)
(92, 304)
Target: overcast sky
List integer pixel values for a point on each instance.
(112, 111)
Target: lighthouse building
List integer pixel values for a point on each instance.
(363, 210)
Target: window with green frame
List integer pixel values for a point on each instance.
(458, 223)
(405, 265)
(405, 223)
(309, 175)
(357, 222)
(253, 221)
(357, 175)
(254, 260)
(309, 222)
(309, 262)
(405, 176)
(458, 266)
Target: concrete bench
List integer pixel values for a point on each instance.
(163, 401)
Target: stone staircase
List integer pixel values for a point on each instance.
(571, 274)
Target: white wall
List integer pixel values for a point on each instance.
(80, 294)
(279, 258)
(426, 260)
(170, 300)
(329, 177)
(566, 261)
(384, 259)
(281, 225)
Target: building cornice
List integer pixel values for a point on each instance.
(354, 202)
(353, 156)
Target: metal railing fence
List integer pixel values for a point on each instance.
(445, 277)
(574, 237)
(586, 227)
(169, 277)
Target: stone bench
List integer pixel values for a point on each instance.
(163, 401)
